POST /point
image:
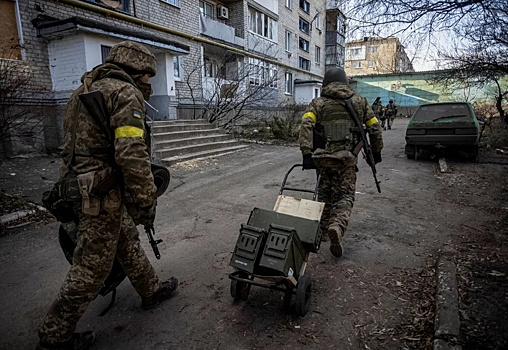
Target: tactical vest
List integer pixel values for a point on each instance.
(338, 125)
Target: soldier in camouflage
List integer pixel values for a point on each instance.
(390, 113)
(106, 229)
(337, 162)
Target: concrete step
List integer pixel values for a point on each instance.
(203, 154)
(172, 127)
(179, 121)
(178, 151)
(190, 141)
(186, 134)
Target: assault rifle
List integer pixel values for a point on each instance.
(364, 142)
(150, 231)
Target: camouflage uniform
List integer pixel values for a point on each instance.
(390, 113)
(112, 231)
(377, 108)
(337, 162)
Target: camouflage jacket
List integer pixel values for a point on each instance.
(331, 94)
(126, 108)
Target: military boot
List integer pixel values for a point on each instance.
(79, 341)
(165, 292)
(336, 244)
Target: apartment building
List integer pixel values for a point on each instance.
(335, 38)
(205, 50)
(376, 56)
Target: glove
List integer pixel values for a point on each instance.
(146, 215)
(308, 163)
(377, 157)
(142, 215)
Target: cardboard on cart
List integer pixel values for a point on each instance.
(302, 208)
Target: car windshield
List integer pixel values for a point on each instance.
(444, 111)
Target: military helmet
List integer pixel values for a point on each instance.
(333, 75)
(391, 101)
(133, 56)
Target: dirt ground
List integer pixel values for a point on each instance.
(380, 295)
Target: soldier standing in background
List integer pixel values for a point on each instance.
(105, 228)
(336, 161)
(377, 108)
(390, 113)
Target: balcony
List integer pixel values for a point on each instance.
(219, 30)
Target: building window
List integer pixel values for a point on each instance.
(305, 6)
(317, 22)
(356, 64)
(303, 63)
(105, 52)
(289, 4)
(172, 2)
(316, 92)
(206, 9)
(317, 58)
(262, 73)
(289, 84)
(355, 53)
(289, 41)
(210, 68)
(262, 24)
(177, 66)
(303, 44)
(373, 49)
(304, 26)
(372, 64)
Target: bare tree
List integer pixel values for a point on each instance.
(233, 87)
(477, 47)
(18, 117)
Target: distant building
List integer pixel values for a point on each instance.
(335, 38)
(376, 56)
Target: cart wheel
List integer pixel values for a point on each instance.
(240, 290)
(303, 295)
(288, 294)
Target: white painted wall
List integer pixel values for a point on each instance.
(93, 49)
(67, 62)
(305, 93)
(164, 81)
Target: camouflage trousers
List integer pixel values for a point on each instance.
(100, 239)
(337, 191)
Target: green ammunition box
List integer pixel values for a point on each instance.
(248, 248)
(308, 230)
(283, 254)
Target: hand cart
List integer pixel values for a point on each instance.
(273, 248)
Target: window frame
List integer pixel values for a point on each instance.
(288, 83)
(262, 24)
(356, 64)
(262, 73)
(105, 49)
(206, 5)
(302, 61)
(302, 23)
(305, 6)
(289, 4)
(306, 44)
(175, 3)
(288, 41)
(177, 62)
(317, 55)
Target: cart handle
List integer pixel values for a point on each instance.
(314, 192)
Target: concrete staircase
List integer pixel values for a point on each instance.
(181, 140)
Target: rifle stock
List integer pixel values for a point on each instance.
(364, 143)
